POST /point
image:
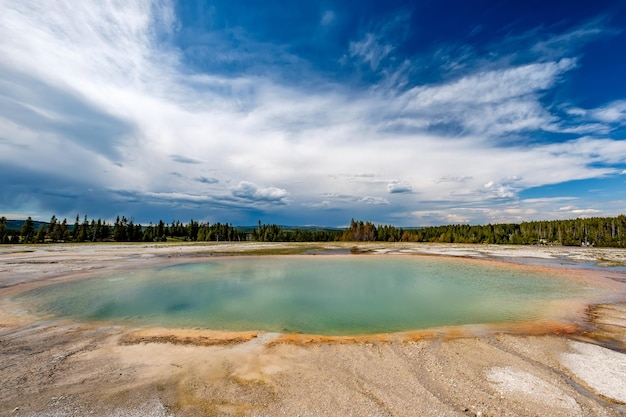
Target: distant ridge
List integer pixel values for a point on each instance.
(17, 224)
(248, 229)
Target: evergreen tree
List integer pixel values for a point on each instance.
(75, 229)
(148, 234)
(41, 234)
(119, 229)
(160, 231)
(27, 233)
(93, 230)
(64, 233)
(192, 230)
(83, 231)
(52, 228)
(3, 229)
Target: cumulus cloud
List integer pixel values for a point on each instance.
(249, 191)
(399, 187)
(499, 190)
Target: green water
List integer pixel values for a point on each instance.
(317, 294)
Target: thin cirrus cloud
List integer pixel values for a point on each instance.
(152, 111)
(207, 180)
(370, 51)
(184, 159)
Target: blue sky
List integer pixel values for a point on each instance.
(311, 113)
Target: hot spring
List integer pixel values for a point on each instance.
(331, 295)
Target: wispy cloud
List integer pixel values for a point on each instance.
(374, 200)
(184, 159)
(553, 46)
(495, 102)
(207, 180)
(370, 51)
(613, 113)
(327, 18)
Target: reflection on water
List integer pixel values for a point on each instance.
(317, 294)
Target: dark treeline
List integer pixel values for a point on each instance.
(125, 230)
(596, 231)
(122, 230)
(275, 233)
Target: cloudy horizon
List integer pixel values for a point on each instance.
(412, 113)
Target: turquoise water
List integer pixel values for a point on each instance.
(316, 294)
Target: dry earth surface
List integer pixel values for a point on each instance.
(53, 367)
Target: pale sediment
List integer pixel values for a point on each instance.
(63, 368)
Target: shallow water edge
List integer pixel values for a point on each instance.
(88, 260)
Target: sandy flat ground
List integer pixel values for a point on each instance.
(53, 367)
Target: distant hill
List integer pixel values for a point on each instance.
(17, 224)
(249, 229)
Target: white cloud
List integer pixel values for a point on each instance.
(319, 205)
(575, 111)
(370, 51)
(454, 179)
(492, 102)
(213, 130)
(453, 218)
(494, 86)
(374, 200)
(249, 191)
(399, 187)
(559, 45)
(614, 112)
(170, 196)
(575, 211)
(580, 212)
